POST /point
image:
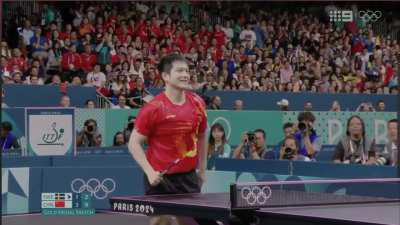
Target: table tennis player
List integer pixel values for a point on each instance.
(173, 125)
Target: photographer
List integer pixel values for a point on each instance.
(389, 155)
(253, 146)
(7, 138)
(306, 136)
(89, 136)
(355, 147)
(129, 127)
(290, 150)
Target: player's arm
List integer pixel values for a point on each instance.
(135, 146)
(202, 146)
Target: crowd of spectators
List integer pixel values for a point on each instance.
(116, 48)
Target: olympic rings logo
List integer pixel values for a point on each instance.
(99, 190)
(256, 194)
(370, 16)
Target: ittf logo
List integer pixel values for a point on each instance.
(341, 16)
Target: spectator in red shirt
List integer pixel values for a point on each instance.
(17, 60)
(88, 59)
(177, 115)
(71, 60)
(219, 35)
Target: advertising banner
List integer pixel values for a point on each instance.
(50, 131)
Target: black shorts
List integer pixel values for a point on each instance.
(180, 183)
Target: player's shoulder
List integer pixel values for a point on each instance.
(196, 98)
(156, 103)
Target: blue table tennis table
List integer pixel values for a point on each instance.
(217, 206)
(288, 207)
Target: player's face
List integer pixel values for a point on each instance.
(179, 76)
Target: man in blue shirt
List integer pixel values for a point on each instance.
(7, 139)
(253, 146)
(306, 136)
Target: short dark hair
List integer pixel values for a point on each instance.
(166, 62)
(287, 125)
(260, 131)
(89, 100)
(90, 121)
(306, 116)
(6, 126)
(393, 121)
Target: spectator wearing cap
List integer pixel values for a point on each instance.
(7, 138)
(283, 104)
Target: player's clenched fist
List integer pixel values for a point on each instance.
(154, 177)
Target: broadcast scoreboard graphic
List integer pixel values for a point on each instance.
(67, 204)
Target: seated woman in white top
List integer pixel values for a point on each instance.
(218, 146)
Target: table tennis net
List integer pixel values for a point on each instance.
(316, 192)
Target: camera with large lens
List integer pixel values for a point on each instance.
(90, 128)
(251, 136)
(302, 126)
(288, 153)
(131, 125)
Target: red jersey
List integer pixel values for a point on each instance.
(172, 131)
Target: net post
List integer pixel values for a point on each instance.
(232, 195)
